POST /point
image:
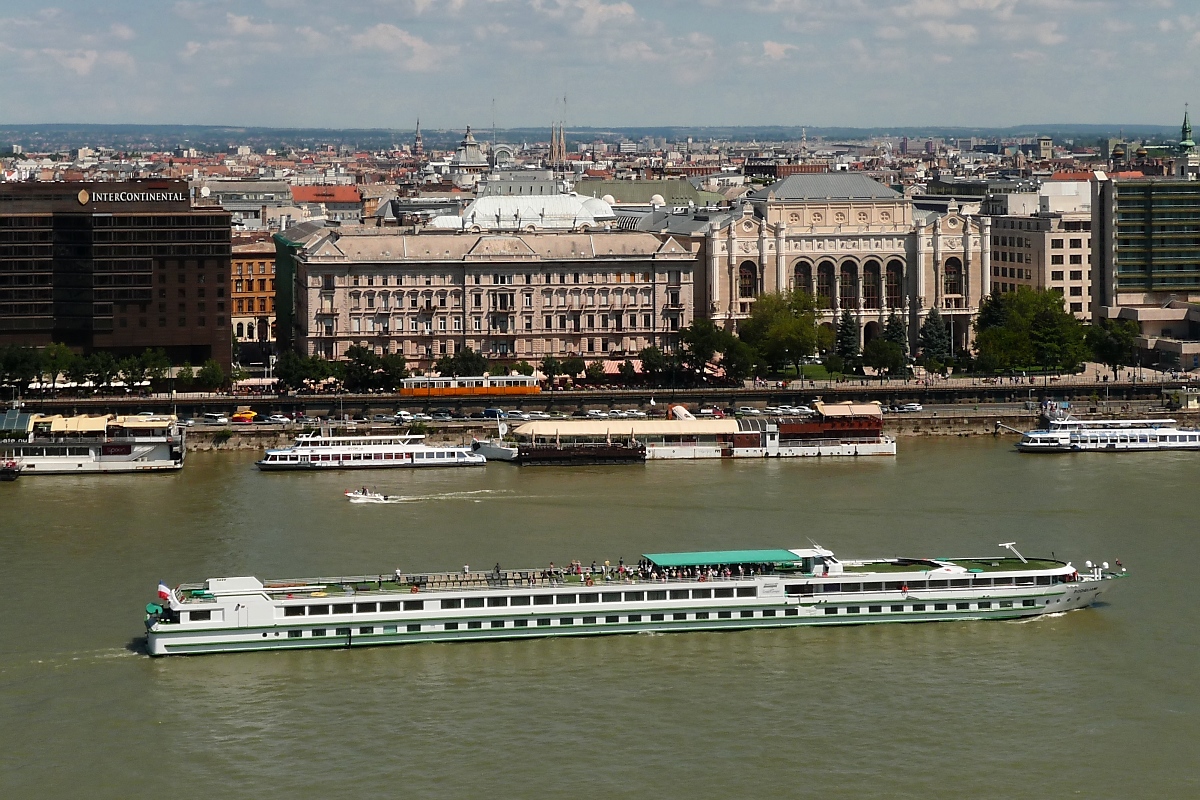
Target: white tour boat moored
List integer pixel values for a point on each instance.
(665, 592)
(314, 451)
(1069, 435)
(37, 444)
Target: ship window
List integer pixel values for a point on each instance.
(413, 628)
(200, 616)
(788, 612)
(318, 631)
(1025, 580)
(894, 586)
(337, 632)
(543, 622)
(723, 592)
(635, 617)
(343, 608)
(634, 596)
(747, 614)
(872, 587)
(769, 612)
(589, 598)
(612, 619)
(474, 625)
(521, 623)
(316, 610)
(414, 605)
(918, 607)
(830, 610)
(367, 608)
(701, 594)
(701, 615)
(1003, 581)
(1027, 603)
(938, 584)
(875, 609)
(679, 594)
(497, 602)
(473, 602)
(960, 583)
(656, 617)
(939, 606)
(611, 597)
(829, 587)
(367, 629)
(389, 606)
(1044, 580)
(851, 587)
(452, 604)
(656, 595)
(985, 604)
(724, 615)
(566, 621)
(497, 623)
(1006, 603)
(982, 582)
(523, 600)
(293, 611)
(389, 628)
(589, 620)
(897, 608)
(747, 591)
(543, 600)
(565, 599)
(679, 615)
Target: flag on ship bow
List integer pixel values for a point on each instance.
(164, 591)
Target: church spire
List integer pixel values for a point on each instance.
(418, 145)
(1186, 143)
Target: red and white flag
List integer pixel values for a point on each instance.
(164, 592)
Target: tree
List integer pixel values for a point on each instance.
(465, 362)
(19, 364)
(185, 376)
(935, 340)
(781, 329)
(628, 371)
(1015, 330)
(56, 360)
(896, 332)
(826, 339)
(155, 363)
(573, 366)
(654, 363)
(523, 368)
(1111, 342)
(700, 341)
(211, 376)
(737, 359)
(393, 369)
(848, 339)
(551, 368)
(885, 355)
(361, 366)
(103, 367)
(595, 372)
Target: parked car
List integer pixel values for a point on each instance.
(517, 414)
(422, 418)
(215, 419)
(596, 413)
(635, 414)
(617, 413)
(775, 410)
(440, 416)
(278, 419)
(383, 418)
(912, 407)
(749, 411)
(402, 416)
(494, 413)
(538, 415)
(244, 417)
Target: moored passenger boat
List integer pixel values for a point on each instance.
(37, 444)
(1069, 435)
(313, 451)
(665, 592)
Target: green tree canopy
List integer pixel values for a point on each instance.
(574, 366)
(212, 375)
(847, 345)
(781, 329)
(935, 340)
(465, 362)
(523, 368)
(654, 362)
(1111, 341)
(1028, 327)
(595, 371)
(551, 368)
(896, 332)
(882, 354)
(56, 360)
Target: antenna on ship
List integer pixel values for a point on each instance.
(1013, 546)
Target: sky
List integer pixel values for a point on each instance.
(384, 63)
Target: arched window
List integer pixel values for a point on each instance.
(849, 292)
(953, 276)
(802, 276)
(747, 280)
(240, 329)
(249, 330)
(871, 284)
(825, 281)
(895, 274)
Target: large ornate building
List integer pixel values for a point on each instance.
(845, 238)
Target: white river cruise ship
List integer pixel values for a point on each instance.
(315, 451)
(665, 592)
(1068, 435)
(54, 445)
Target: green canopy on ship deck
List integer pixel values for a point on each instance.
(711, 557)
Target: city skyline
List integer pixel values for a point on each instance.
(295, 63)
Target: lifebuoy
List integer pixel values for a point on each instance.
(413, 590)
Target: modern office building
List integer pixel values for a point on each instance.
(114, 266)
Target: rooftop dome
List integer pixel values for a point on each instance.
(657, 200)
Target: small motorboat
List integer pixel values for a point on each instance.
(365, 495)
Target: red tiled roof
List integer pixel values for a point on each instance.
(1071, 176)
(326, 194)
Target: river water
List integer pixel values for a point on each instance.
(1099, 703)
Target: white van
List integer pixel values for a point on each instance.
(215, 419)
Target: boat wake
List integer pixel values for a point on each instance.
(1051, 615)
(390, 499)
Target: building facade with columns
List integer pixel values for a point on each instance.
(854, 243)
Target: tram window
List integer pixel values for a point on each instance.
(612, 619)
(634, 597)
(1006, 603)
(566, 621)
(200, 616)
(701, 594)
(830, 610)
(724, 615)
(389, 606)
(897, 608)
(294, 611)
(497, 602)
(413, 628)
(589, 598)
(790, 612)
(341, 631)
(474, 602)
(523, 600)
(414, 605)
(343, 608)
(452, 604)
(565, 599)
(611, 597)
(366, 608)
(317, 610)
(768, 612)
(589, 620)
(985, 604)
(543, 600)
(747, 591)
(962, 606)
(719, 593)
(656, 595)
(451, 626)
(367, 629)
(939, 606)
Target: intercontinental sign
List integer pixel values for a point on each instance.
(131, 197)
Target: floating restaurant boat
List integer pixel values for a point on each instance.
(627, 450)
(54, 445)
(665, 592)
(1069, 435)
(837, 429)
(314, 451)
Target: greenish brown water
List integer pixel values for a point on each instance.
(1100, 703)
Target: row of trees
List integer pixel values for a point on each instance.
(56, 363)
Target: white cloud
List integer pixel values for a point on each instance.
(245, 26)
(951, 32)
(415, 53)
(777, 51)
(122, 32)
